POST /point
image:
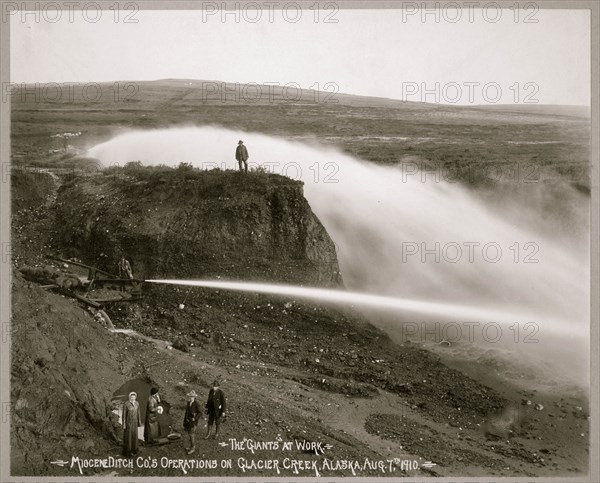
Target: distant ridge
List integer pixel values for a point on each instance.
(547, 109)
(355, 100)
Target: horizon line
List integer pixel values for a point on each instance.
(187, 79)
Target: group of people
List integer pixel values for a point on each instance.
(214, 409)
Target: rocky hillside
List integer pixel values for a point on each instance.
(181, 223)
(63, 369)
(292, 370)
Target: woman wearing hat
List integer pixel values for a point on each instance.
(151, 422)
(131, 421)
(193, 412)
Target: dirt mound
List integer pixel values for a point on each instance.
(189, 223)
(64, 367)
(30, 188)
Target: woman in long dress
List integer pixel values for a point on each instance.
(131, 420)
(151, 431)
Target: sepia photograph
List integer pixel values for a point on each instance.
(265, 240)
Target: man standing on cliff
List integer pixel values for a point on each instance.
(241, 154)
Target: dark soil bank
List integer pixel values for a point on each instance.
(293, 371)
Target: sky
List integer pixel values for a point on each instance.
(450, 56)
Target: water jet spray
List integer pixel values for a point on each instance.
(375, 213)
(351, 299)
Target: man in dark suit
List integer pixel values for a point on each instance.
(215, 408)
(241, 154)
(193, 412)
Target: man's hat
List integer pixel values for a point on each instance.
(215, 383)
(240, 142)
(154, 391)
(134, 393)
(192, 393)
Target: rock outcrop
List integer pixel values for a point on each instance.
(181, 223)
